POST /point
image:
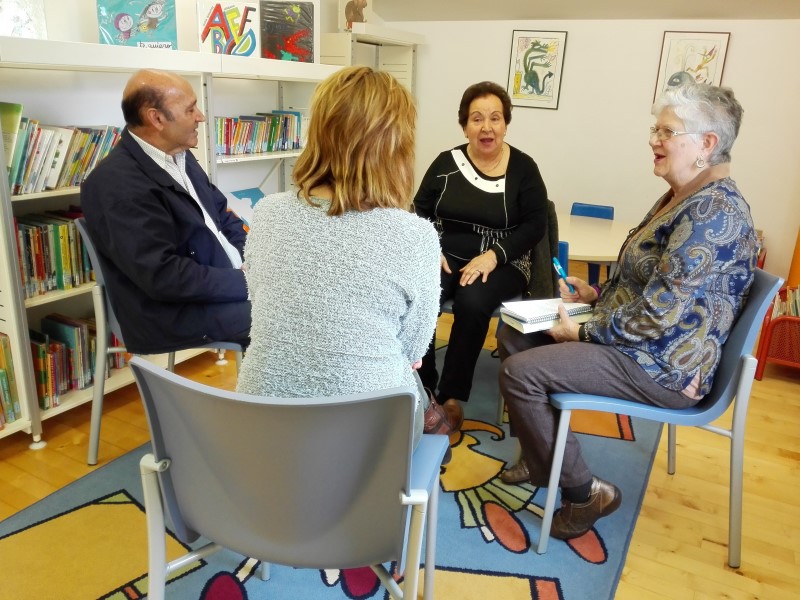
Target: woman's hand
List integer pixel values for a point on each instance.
(478, 268)
(416, 365)
(443, 262)
(567, 329)
(583, 291)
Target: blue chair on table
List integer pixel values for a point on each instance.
(106, 324)
(318, 483)
(732, 384)
(596, 211)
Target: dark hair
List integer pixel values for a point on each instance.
(479, 90)
(146, 96)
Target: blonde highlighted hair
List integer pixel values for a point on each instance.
(360, 142)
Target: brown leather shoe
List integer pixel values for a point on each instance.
(517, 473)
(455, 414)
(436, 420)
(573, 520)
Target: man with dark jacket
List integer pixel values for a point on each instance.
(171, 251)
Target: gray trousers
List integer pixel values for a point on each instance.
(534, 366)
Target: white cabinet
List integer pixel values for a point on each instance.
(71, 83)
(374, 46)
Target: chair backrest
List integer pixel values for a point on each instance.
(598, 211)
(544, 281)
(308, 482)
(740, 342)
(97, 267)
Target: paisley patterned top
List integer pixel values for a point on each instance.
(681, 283)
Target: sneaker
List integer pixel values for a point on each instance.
(517, 473)
(573, 520)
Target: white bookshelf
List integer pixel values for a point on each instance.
(381, 48)
(79, 83)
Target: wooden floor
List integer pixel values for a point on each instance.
(679, 546)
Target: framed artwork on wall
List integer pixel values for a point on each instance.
(535, 66)
(691, 56)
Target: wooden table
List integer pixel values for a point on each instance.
(593, 240)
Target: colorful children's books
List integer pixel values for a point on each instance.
(140, 23)
(10, 118)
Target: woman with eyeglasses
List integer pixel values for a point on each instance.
(658, 325)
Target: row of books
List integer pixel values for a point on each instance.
(64, 351)
(10, 409)
(787, 303)
(279, 130)
(44, 157)
(50, 252)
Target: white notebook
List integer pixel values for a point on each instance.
(537, 315)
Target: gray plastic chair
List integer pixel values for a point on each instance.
(306, 482)
(106, 324)
(732, 384)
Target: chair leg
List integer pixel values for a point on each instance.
(737, 461)
(171, 362)
(501, 405)
(100, 367)
(221, 360)
(671, 440)
(430, 543)
(735, 501)
(414, 551)
(594, 273)
(552, 484)
(156, 540)
(238, 362)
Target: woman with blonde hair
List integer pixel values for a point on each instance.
(344, 279)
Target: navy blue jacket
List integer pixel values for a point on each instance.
(169, 280)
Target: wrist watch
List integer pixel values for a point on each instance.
(583, 335)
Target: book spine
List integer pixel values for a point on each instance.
(5, 398)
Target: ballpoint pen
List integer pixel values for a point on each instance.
(560, 271)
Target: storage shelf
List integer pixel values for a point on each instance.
(779, 341)
(51, 55)
(246, 67)
(57, 295)
(119, 378)
(12, 428)
(35, 72)
(236, 158)
(376, 34)
(64, 191)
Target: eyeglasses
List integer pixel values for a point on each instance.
(665, 133)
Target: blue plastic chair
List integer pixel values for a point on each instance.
(320, 483)
(732, 384)
(596, 211)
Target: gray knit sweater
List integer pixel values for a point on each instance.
(340, 304)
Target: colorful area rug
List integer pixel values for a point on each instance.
(88, 540)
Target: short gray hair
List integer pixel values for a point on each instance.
(704, 108)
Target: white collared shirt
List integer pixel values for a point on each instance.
(176, 167)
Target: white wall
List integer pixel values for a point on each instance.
(594, 147)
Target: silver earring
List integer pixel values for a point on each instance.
(700, 162)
